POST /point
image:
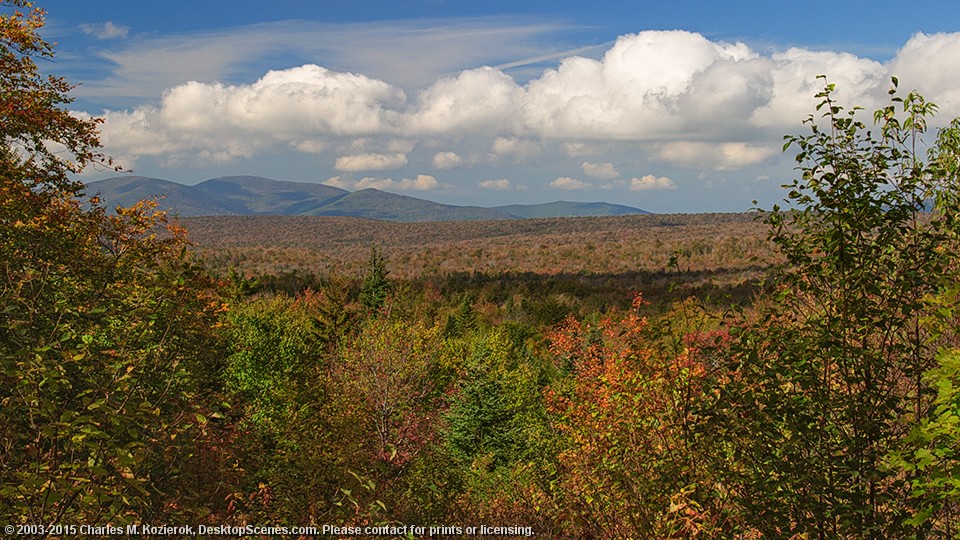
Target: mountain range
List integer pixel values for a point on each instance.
(254, 195)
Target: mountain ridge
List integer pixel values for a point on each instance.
(257, 195)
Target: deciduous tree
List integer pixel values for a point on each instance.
(106, 328)
(830, 381)
(629, 465)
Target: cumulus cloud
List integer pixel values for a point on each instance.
(423, 182)
(370, 162)
(105, 30)
(603, 171)
(565, 182)
(514, 147)
(635, 91)
(447, 160)
(483, 101)
(240, 120)
(927, 62)
(309, 146)
(500, 184)
(719, 156)
(650, 182)
(338, 182)
(685, 99)
(793, 83)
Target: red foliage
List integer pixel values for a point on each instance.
(624, 417)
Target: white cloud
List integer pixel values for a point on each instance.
(793, 82)
(289, 106)
(603, 171)
(370, 162)
(650, 182)
(636, 90)
(359, 144)
(105, 30)
(565, 182)
(309, 146)
(447, 160)
(578, 149)
(338, 182)
(928, 63)
(484, 101)
(514, 147)
(498, 184)
(678, 96)
(718, 156)
(423, 182)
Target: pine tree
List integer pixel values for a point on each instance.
(376, 284)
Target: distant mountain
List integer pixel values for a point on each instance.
(257, 195)
(254, 195)
(228, 195)
(187, 201)
(376, 204)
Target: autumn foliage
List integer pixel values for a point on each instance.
(140, 383)
(625, 463)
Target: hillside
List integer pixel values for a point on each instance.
(257, 195)
(178, 198)
(374, 204)
(254, 195)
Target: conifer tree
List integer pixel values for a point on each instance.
(376, 283)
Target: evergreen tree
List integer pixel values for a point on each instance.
(376, 284)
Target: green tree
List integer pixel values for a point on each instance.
(828, 382)
(496, 434)
(376, 283)
(336, 309)
(462, 321)
(389, 383)
(931, 456)
(297, 438)
(496, 409)
(273, 344)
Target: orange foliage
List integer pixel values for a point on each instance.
(626, 468)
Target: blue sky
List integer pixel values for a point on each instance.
(670, 107)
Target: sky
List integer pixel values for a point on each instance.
(666, 106)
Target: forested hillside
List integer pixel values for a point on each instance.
(368, 385)
(254, 195)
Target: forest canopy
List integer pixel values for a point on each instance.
(140, 386)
